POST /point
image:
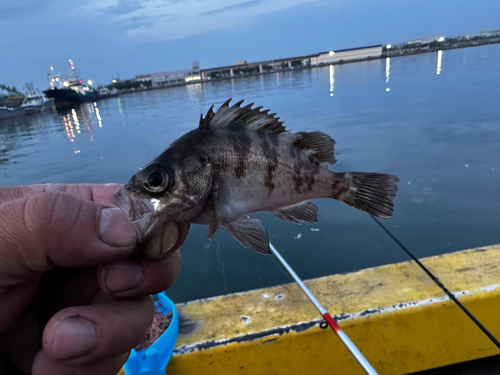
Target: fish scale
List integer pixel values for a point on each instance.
(240, 161)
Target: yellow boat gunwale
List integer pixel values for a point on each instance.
(395, 314)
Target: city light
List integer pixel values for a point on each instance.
(193, 78)
(89, 82)
(331, 53)
(114, 81)
(388, 46)
(65, 84)
(441, 39)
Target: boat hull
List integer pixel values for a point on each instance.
(396, 316)
(69, 97)
(10, 112)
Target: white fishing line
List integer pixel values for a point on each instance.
(224, 280)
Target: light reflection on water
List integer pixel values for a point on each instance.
(439, 62)
(438, 130)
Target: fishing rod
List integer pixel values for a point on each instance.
(440, 284)
(326, 315)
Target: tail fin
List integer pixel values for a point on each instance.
(370, 192)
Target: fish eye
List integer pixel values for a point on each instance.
(156, 181)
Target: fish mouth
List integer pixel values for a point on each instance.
(138, 211)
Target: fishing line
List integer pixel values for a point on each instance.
(440, 284)
(223, 267)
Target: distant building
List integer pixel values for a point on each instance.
(484, 34)
(172, 78)
(142, 78)
(426, 40)
(346, 55)
(241, 62)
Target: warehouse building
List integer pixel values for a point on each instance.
(347, 55)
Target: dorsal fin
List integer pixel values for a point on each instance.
(319, 144)
(244, 116)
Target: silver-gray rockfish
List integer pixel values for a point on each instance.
(239, 161)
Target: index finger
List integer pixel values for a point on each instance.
(100, 193)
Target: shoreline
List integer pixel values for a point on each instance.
(386, 53)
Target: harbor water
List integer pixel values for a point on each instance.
(432, 119)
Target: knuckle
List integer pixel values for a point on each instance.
(52, 211)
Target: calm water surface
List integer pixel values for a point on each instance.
(431, 119)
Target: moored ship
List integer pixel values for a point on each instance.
(69, 92)
(33, 102)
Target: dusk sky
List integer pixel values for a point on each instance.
(123, 38)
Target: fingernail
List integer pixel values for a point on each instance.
(114, 227)
(73, 337)
(123, 276)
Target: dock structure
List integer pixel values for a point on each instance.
(298, 62)
(243, 68)
(395, 314)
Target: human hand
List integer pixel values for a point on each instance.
(74, 288)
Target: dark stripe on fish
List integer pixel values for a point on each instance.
(297, 179)
(339, 185)
(272, 156)
(241, 144)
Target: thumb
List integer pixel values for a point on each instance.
(51, 229)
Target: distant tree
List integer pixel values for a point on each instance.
(11, 90)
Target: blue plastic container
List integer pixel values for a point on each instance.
(153, 360)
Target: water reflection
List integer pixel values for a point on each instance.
(75, 120)
(387, 71)
(97, 114)
(68, 126)
(118, 100)
(15, 133)
(81, 119)
(439, 62)
(332, 79)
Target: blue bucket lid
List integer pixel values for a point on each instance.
(154, 359)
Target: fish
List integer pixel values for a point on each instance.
(241, 160)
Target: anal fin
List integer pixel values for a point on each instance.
(250, 233)
(303, 211)
(212, 227)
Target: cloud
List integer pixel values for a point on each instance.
(161, 20)
(246, 4)
(123, 7)
(18, 9)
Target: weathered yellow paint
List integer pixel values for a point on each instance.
(396, 315)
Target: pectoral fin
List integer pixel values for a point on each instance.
(250, 233)
(303, 211)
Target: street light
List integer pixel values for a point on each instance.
(89, 82)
